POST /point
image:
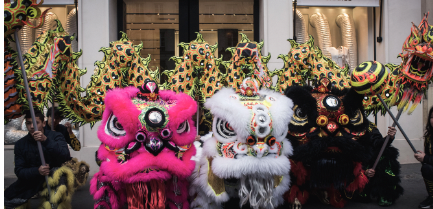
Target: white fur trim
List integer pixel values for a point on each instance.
(224, 106)
(235, 168)
(281, 112)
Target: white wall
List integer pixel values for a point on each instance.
(396, 25)
(276, 26)
(97, 27)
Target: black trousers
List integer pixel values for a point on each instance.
(427, 174)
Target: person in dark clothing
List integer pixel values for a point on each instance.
(384, 180)
(426, 158)
(65, 130)
(28, 166)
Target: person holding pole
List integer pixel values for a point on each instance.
(31, 174)
(387, 168)
(65, 130)
(426, 158)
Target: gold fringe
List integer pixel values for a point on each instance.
(406, 106)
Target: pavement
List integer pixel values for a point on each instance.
(412, 182)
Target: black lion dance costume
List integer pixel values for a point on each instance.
(333, 141)
(334, 144)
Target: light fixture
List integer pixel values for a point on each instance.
(211, 29)
(213, 15)
(158, 14)
(234, 14)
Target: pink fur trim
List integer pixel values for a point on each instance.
(183, 110)
(166, 161)
(118, 102)
(117, 198)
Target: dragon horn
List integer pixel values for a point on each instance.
(41, 20)
(418, 30)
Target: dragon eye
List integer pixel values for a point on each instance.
(183, 127)
(358, 118)
(114, 127)
(299, 117)
(224, 129)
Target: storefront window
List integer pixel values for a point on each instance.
(156, 25)
(222, 22)
(67, 16)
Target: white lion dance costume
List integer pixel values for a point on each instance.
(247, 157)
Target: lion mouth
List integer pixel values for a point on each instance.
(150, 169)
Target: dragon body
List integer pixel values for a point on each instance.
(404, 84)
(196, 72)
(247, 61)
(53, 75)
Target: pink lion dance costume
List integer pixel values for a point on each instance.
(146, 150)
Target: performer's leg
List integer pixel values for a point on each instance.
(12, 200)
(385, 185)
(427, 174)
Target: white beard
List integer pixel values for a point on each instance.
(258, 191)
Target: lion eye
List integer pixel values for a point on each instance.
(357, 119)
(183, 127)
(224, 129)
(114, 127)
(299, 117)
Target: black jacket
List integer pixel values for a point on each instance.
(28, 161)
(428, 149)
(63, 130)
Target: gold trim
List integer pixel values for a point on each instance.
(215, 182)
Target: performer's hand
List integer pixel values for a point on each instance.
(44, 170)
(419, 156)
(392, 131)
(197, 138)
(69, 127)
(370, 173)
(39, 136)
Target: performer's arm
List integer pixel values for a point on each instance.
(58, 148)
(428, 159)
(22, 170)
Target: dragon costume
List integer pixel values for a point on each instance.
(146, 150)
(405, 83)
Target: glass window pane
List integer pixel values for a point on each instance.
(221, 20)
(156, 25)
